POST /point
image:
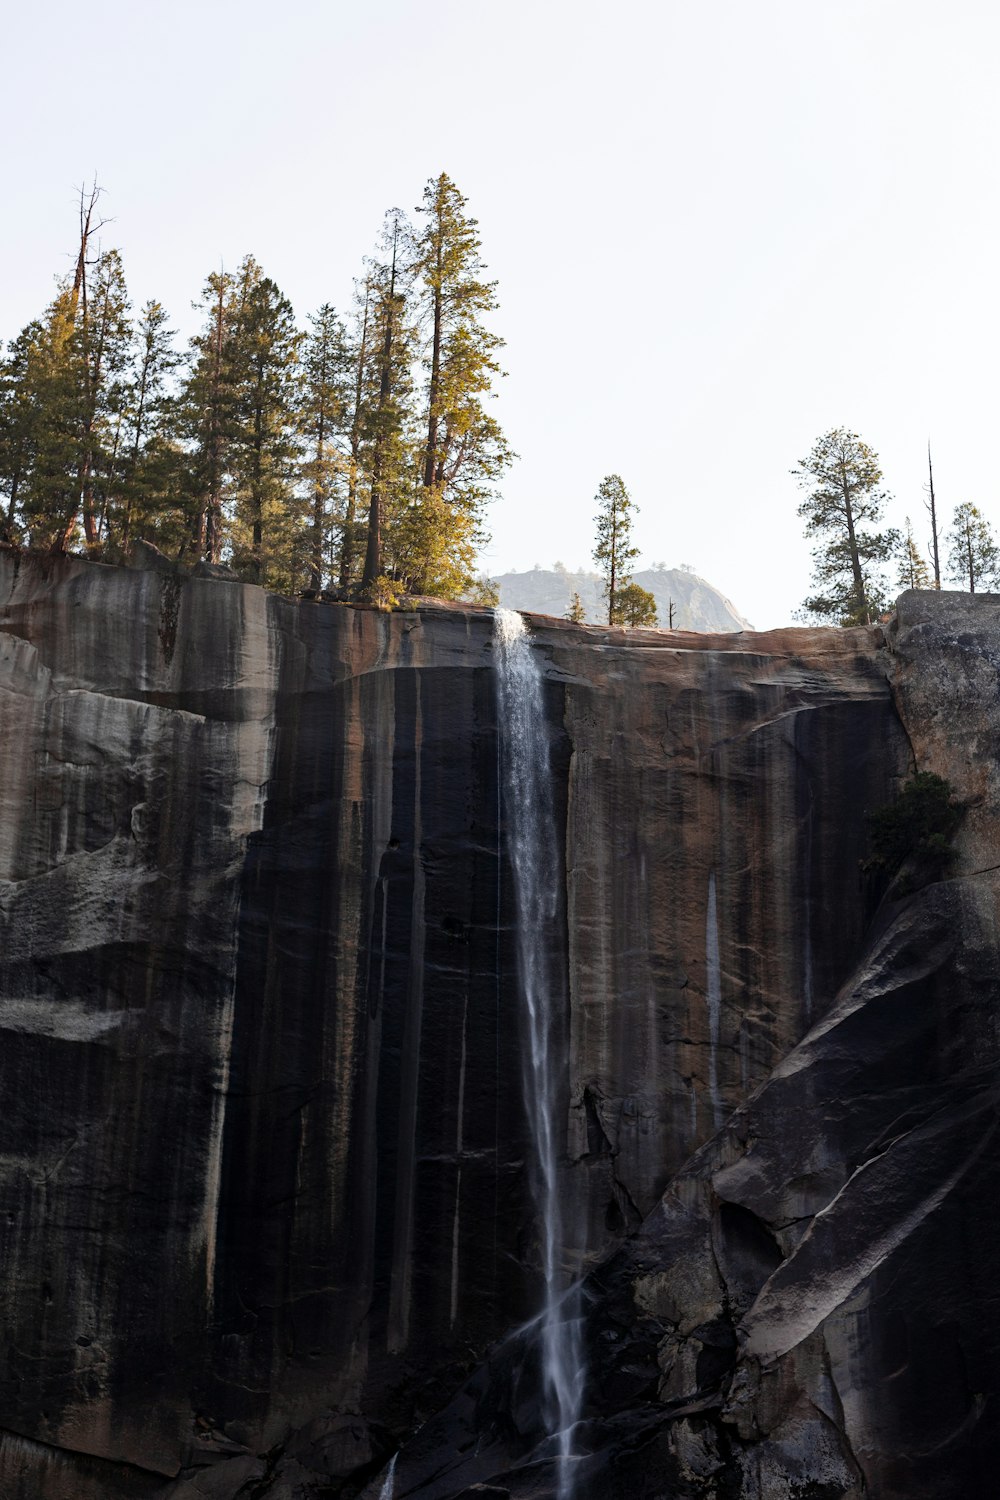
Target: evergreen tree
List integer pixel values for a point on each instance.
(327, 381)
(267, 455)
(844, 500)
(614, 551)
(635, 605)
(268, 517)
(207, 411)
(351, 537)
(575, 610)
(973, 555)
(45, 409)
(150, 492)
(913, 571)
(387, 406)
(18, 416)
(106, 335)
(431, 547)
(465, 451)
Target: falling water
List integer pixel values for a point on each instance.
(714, 968)
(534, 856)
(385, 1493)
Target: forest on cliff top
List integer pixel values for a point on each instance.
(356, 453)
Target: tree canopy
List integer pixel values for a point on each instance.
(973, 555)
(843, 503)
(913, 571)
(614, 550)
(356, 453)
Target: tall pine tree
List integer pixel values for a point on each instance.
(973, 554)
(327, 391)
(152, 467)
(45, 408)
(844, 500)
(207, 410)
(353, 531)
(267, 514)
(106, 331)
(913, 572)
(464, 452)
(387, 408)
(613, 550)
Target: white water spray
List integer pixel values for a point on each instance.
(714, 969)
(532, 846)
(388, 1483)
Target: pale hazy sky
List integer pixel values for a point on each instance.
(719, 229)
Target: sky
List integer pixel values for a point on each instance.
(719, 228)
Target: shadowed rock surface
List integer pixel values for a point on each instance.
(263, 1196)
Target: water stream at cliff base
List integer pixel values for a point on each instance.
(389, 1482)
(533, 851)
(714, 971)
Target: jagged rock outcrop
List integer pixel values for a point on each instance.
(263, 1198)
(696, 604)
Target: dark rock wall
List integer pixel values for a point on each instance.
(262, 1154)
(810, 1311)
(745, 764)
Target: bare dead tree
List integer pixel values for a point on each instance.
(87, 200)
(932, 509)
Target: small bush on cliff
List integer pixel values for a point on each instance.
(919, 826)
(382, 594)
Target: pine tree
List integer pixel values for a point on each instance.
(614, 551)
(844, 499)
(18, 420)
(575, 610)
(207, 415)
(431, 546)
(150, 490)
(351, 538)
(973, 555)
(387, 407)
(262, 457)
(268, 518)
(913, 571)
(106, 332)
(635, 605)
(464, 451)
(327, 381)
(45, 410)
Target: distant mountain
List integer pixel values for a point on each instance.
(697, 605)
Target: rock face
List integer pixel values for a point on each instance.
(548, 591)
(263, 1194)
(810, 1311)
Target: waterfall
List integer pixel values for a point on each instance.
(714, 969)
(532, 846)
(385, 1493)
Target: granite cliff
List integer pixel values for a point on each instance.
(262, 1201)
(548, 591)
